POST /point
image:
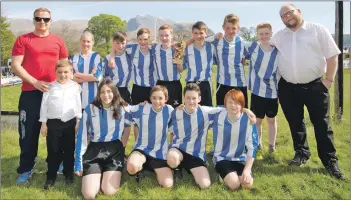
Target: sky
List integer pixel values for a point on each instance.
(212, 13)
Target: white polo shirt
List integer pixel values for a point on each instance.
(61, 102)
(303, 53)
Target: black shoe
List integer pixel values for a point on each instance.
(48, 184)
(299, 159)
(334, 170)
(69, 179)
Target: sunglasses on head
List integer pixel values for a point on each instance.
(38, 19)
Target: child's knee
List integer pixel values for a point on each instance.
(166, 183)
(173, 159)
(204, 183)
(109, 190)
(88, 194)
(233, 185)
(132, 167)
(271, 120)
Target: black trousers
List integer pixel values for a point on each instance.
(206, 94)
(223, 89)
(28, 128)
(60, 142)
(315, 96)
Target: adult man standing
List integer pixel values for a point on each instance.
(306, 51)
(34, 56)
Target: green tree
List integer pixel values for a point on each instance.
(7, 40)
(248, 34)
(103, 27)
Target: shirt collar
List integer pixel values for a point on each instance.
(287, 30)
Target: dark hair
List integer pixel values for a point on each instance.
(120, 36)
(117, 100)
(192, 87)
(200, 26)
(142, 31)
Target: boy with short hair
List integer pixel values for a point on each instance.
(198, 61)
(230, 53)
(263, 82)
(60, 113)
(167, 69)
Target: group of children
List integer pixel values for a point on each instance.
(105, 111)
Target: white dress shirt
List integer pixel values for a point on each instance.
(62, 101)
(303, 53)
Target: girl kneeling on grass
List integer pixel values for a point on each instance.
(235, 142)
(103, 121)
(150, 149)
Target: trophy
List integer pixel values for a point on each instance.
(179, 52)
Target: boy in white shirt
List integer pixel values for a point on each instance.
(60, 113)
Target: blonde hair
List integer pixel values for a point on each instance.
(231, 19)
(86, 33)
(264, 25)
(41, 10)
(64, 63)
(166, 27)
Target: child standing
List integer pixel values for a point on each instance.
(60, 113)
(168, 72)
(263, 81)
(235, 142)
(198, 62)
(102, 160)
(87, 68)
(150, 149)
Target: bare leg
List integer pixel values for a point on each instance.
(135, 162)
(259, 130)
(232, 181)
(164, 177)
(90, 185)
(272, 131)
(174, 157)
(201, 176)
(111, 181)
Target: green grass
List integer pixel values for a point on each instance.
(273, 178)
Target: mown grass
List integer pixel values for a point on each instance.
(273, 178)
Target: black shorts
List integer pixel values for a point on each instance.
(206, 94)
(261, 106)
(125, 94)
(103, 156)
(222, 91)
(140, 94)
(174, 92)
(225, 167)
(189, 161)
(152, 163)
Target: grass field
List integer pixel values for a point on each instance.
(273, 178)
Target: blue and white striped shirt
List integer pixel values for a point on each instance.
(85, 65)
(153, 129)
(198, 62)
(233, 141)
(166, 70)
(190, 129)
(143, 66)
(262, 77)
(229, 55)
(121, 74)
(100, 126)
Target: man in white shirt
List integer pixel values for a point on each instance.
(306, 51)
